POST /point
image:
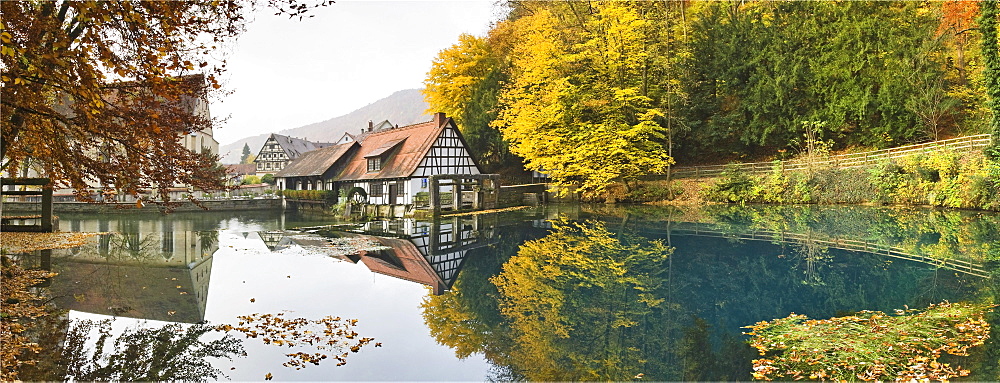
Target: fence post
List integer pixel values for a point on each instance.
(47, 208)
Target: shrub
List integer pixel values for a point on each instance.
(733, 186)
(773, 186)
(251, 180)
(268, 179)
(316, 195)
(649, 192)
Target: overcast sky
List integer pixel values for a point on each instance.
(288, 73)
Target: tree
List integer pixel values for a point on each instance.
(577, 106)
(991, 71)
(101, 93)
(246, 154)
(464, 82)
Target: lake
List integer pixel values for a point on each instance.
(562, 292)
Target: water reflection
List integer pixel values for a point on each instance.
(582, 304)
(429, 253)
(148, 268)
(560, 293)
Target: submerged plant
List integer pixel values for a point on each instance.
(870, 345)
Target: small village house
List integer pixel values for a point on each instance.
(279, 150)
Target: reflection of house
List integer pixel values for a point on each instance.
(271, 239)
(156, 269)
(429, 253)
(279, 150)
(389, 166)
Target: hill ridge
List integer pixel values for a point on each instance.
(403, 107)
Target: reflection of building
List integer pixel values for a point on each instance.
(429, 253)
(155, 269)
(272, 238)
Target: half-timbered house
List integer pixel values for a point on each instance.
(279, 150)
(388, 166)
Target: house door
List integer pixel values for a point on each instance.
(393, 193)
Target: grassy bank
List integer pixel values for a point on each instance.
(943, 178)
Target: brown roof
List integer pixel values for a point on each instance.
(414, 142)
(316, 162)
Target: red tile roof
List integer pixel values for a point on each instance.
(402, 160)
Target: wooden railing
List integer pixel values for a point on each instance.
(43, 195)
(850, 160)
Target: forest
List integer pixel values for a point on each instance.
(596, 93)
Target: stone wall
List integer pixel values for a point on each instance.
(83, 207)
(514, 195)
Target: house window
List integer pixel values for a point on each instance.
(374, 164)
(376, 189)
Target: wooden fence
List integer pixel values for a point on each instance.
(850, 160)
(42, 195)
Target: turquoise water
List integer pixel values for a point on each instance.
(559, 293)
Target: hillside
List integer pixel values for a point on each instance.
(402, 108)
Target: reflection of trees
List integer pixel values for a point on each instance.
(577, 302)
(208, 239)
(171, 352)
(812, 256)
(127, 247)
(554, 314)
(939, 233)
(84, 350)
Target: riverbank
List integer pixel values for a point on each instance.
(940, 179)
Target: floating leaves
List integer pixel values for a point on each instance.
(21, 306)
(328, 337)
(870, 345)
(22, 242)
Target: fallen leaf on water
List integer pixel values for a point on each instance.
(268, 376)
(252, 300)
(171, 312)
(22, 242)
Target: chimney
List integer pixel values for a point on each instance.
(370, 125)
(439, 118)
